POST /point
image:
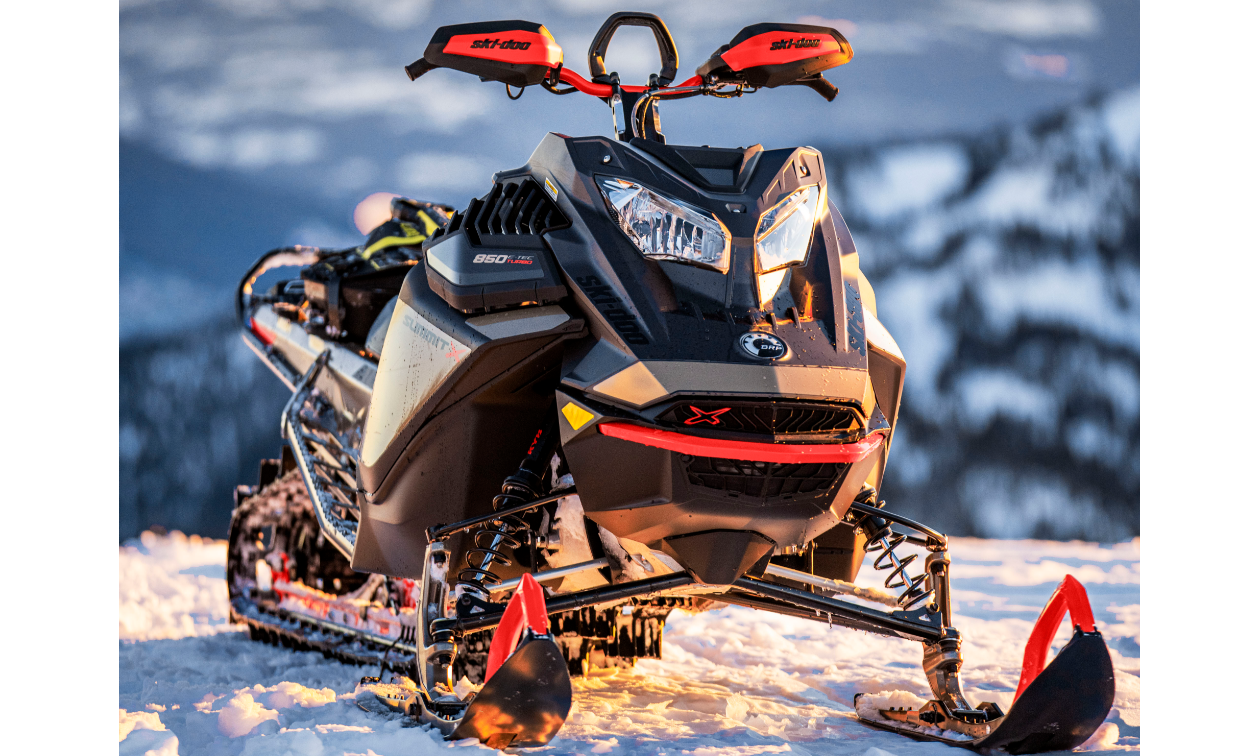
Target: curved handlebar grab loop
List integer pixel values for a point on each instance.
(664, 43)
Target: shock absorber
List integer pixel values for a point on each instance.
(493, 543)
(881, 538)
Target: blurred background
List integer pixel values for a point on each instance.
(984, 153)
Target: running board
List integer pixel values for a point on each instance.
(326, 462)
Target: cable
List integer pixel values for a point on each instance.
(547, 85)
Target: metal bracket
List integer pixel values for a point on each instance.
(433, 652)
(933, 714)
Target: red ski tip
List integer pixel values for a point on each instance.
(527, 695)
(528, 608)
(1070, 596)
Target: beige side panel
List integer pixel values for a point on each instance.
(868, 293)
(510, 323)
(635, 385)
(416, 358)
(879, 337)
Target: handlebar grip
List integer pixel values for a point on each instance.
(418, 69)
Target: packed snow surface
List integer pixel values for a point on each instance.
(733, 682)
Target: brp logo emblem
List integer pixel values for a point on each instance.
(763, 346)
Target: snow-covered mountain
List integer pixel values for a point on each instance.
(196, 411)
(1006, 265)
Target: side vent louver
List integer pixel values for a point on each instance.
(493, 255)
(512, 208)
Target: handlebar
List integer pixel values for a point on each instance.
(586, 86)
(521, 54)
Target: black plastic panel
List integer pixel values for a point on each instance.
(763, 417)
(493, 255)
(762, 480)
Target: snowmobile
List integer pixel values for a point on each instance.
(632, 378)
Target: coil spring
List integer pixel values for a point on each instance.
(898, 578)
(493, 543)
(442, 630)
(881, 538)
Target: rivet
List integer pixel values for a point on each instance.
(607, 159)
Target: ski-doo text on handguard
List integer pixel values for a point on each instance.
(633, 377)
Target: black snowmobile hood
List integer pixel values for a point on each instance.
(663, 310)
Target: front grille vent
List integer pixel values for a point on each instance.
(764, 480)
(513, 208)
(765, 418)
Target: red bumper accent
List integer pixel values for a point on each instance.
(746, 450)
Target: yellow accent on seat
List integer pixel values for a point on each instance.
(429, 225)
(411, 235)
(576, 416)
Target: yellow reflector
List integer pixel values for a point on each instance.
(576, 416)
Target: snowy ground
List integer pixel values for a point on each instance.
(733, 682)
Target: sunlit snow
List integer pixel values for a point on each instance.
(732, 682)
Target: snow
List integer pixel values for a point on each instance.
(137, 720)
(910, 178)
(1011, 502)
(1121, 115)
(1061, 293)
(733, 682)
(243, 714)
(987, 393)
(171, 587)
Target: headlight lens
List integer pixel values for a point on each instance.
(666, 229)
(783, 233)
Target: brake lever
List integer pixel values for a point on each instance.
(819, 85)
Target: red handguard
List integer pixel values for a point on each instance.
(1069, 596)
(779, 48)
(510, 46)
(528, 607)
